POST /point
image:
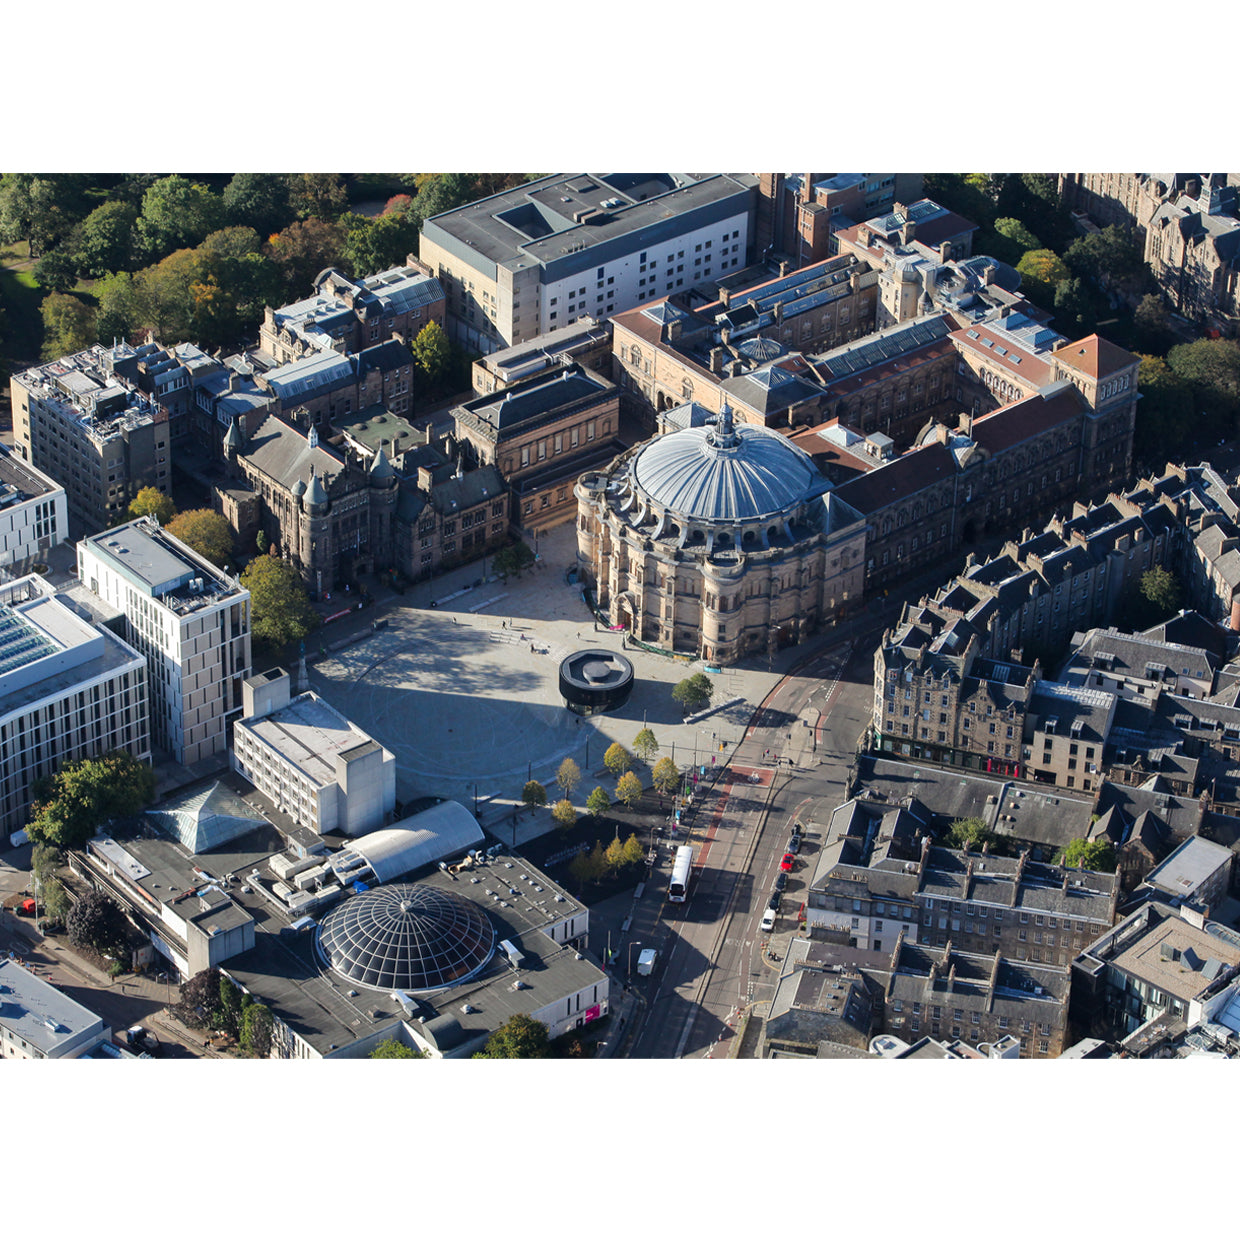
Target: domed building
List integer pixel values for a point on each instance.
(718, 541)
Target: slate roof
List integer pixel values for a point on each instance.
(284, 454)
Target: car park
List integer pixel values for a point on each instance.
(789, 859)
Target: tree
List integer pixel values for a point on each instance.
(693, 693)
(1074, 311)
(177, 212)
(165, 296)
(96, 921)
(319, 194)
(120, 307)
(75, 802)
(261, 542)
(233, 281)
(68, 325)
(45, 860)
(634, 853)
(666, 776)
(1040, 271)
(259, 200)
(534, 795)
(617, 759)
(280, 607)
(151, 501)
(372, 245)
(1165, 414)
(564, 814)
(580, 870)
(645, 745)
(1014, 240)
(106, 237)
(391, 1048)
(39, 209)
(512, 559)
(431, 352)
(598, 802)
(629, 789)
(1085, 854)
(1153, 325)
(305, 248)
(519, 1037)
(1109, 256)
(207, 532)
(57, 270)
(256, 1028)
(56, 902)
(1211, 366)
(233, 1002)
(568, 776)
(614, 855)
(1162, 591)
(969, 832)
(199, 1004)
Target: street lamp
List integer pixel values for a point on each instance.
(629, 975)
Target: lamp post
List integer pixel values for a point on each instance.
(629, 975)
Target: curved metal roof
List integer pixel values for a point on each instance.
(445, 830)
(406, 937)
(726, 472)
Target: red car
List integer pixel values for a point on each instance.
(788, 861)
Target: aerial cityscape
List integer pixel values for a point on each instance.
(626, 616)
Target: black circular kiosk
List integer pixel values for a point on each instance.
(592, 682)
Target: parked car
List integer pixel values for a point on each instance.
(794, 844)
(775, 901)
(781, 881)
(789, 860)
(140, 1039)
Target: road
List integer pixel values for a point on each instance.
(714, 959)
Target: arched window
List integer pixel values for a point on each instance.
(686, 389)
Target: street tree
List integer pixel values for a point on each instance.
(76, 801)
(280, 607)
(96, 921)
(512, 559)
(432, 351)
(645, 745)
(564, 814)
(45, 860)
(534, 795)
(233, 1002)
(151, 501)
(256, 1029)
(596, 862)
(629, 789)
(56, 902)
(519, 1037)
(693, 693)
(207, 532)
(391, 1048)
(614, 855)
(598, 802)
(568, 776)
(617, 759)
(68, 325)
(579, 868)
(199, 1003)
(634, 854)
(666, 776)
(1085, 854)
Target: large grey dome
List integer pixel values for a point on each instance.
(726, 472)
(406, 936)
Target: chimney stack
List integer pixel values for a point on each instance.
(716, 361)
(945, 251)
(725, 297)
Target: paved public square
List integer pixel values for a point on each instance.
(465, 693)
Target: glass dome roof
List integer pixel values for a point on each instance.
(406, 936)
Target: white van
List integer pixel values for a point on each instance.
(768, 919)
(645, 961)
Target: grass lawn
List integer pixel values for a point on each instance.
(23, 327)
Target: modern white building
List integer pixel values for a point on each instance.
(34, 516)
(37, 1021)
(69, 689)
(189, 619)
(538, 257)
(318, 768)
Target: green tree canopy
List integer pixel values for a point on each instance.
(120, 309)
(1040, 271)
(1098, 855)
(177, 212)
(151, 501)
(40, 208)
(319, 194)
(207, 532)
(106, 237)
(391, 1048)
(233, 1002)
(970, 832)
(377, 244)
(74, 803)
(96, 921)
(564, 814)
(304, 249)
(617, 759)
(259, 200)
(432, 352)
(666, 776)
(645, 745)
(68, 325)
(57, 270)
(1109, 256)
(256, 1030)
(520, 1037)
(629, 789)
(568, 776)
(512, 559)
(694, 692)
(1074, 310)
(534, 794)
(1162, 589)
(199, 1004)
(45, 860)
(1166, 417)
(280, 607)
(56, 902)
(1211, 366)
(598, 802)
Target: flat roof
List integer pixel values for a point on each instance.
(1144, 958)
(36, 1011)
(158, 563)
(1181, 873)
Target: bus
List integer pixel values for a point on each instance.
(678, 888)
